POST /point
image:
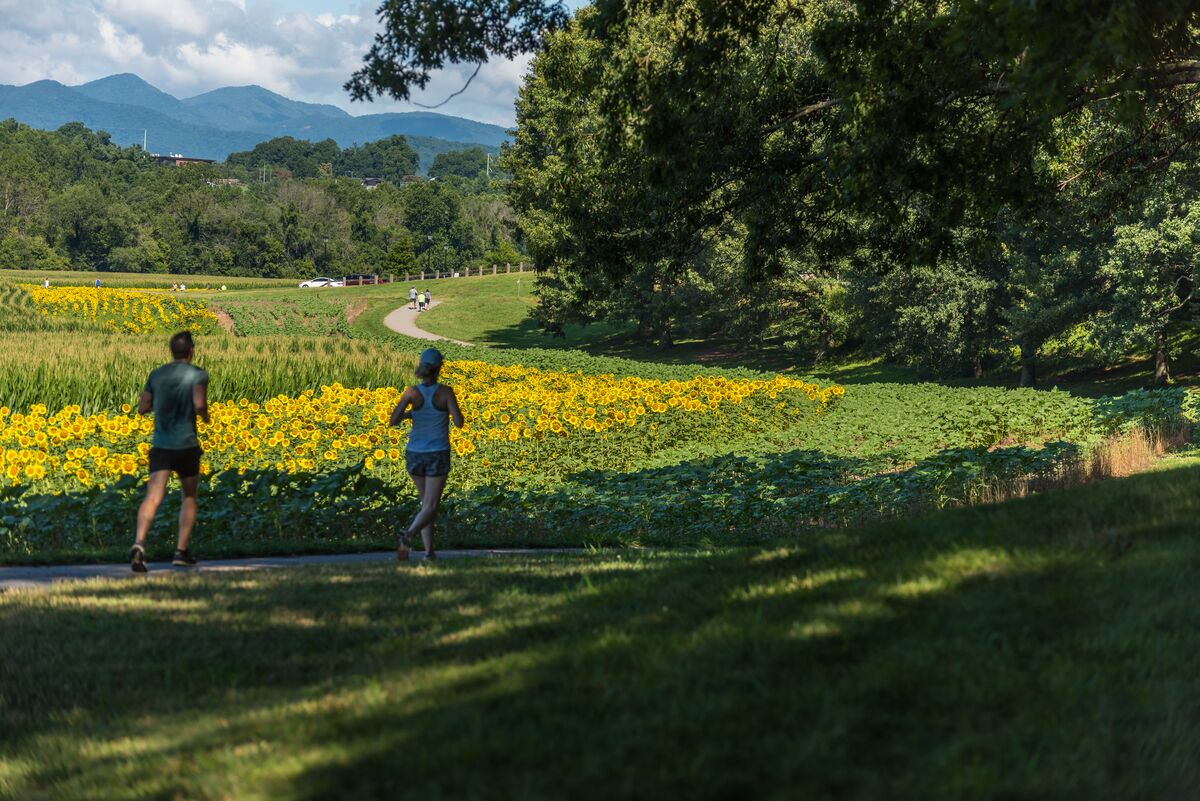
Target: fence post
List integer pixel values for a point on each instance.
(521, 267)
(493, 269)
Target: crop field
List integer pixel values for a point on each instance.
(199, 283)
(286, 314)
(125, 311)
(561, 448)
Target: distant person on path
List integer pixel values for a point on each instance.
(431, 406)
(428, 299)
(412, 297)
(46, 284)
(420, 301)
(177, 393)
(97, 283)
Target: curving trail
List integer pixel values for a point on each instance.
(404, 321)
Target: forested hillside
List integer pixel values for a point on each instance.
(71, 199)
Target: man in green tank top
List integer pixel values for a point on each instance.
(177, 393)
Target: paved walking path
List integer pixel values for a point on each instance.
(404, 321)
(13, 578)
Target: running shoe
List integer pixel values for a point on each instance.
(183, 559)
(137, 559)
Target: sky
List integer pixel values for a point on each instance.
(303, 49)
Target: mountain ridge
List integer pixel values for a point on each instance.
(228, 119)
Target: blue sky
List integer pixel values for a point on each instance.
(304, 49)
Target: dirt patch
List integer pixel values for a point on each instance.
(223, 319)
(354, 309)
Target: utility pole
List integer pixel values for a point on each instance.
(489, 166)
(144, 140)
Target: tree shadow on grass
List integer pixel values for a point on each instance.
(746, 499)
(857, 675)
(1007, 652)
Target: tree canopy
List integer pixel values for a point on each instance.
(952, 168)
(470, 163)
(391, 159)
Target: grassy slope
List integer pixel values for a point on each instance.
(494, 311)
(1039, 649)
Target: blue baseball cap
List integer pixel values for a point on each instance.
(432, 357)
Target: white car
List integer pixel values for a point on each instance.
(316, 282)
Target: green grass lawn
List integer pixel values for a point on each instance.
(1040, 649)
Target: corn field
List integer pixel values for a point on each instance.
(102, 372)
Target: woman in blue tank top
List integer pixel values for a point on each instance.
(430, 406)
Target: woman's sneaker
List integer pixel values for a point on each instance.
(183, 559)
(137, 559)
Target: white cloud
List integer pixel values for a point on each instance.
(186, 47)
(179, 16)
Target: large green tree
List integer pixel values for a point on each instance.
(391, 159)
(1152, 268)
(932, 146)
(301, 158)
(469, 163)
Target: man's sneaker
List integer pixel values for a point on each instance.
(183, 559)
(137, 559)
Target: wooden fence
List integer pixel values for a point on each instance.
(466, 272)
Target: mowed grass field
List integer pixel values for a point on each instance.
(1042, 648)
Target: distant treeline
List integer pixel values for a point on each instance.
(391, 159)
(71, 199)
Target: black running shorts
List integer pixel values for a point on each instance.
(436, 463)
(185, 463)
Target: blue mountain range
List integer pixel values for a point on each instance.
(214, 124)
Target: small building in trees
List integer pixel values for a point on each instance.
(177, 159)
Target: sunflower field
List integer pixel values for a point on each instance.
(127, 311)
(522, 422)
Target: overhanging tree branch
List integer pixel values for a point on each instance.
(478, 67)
